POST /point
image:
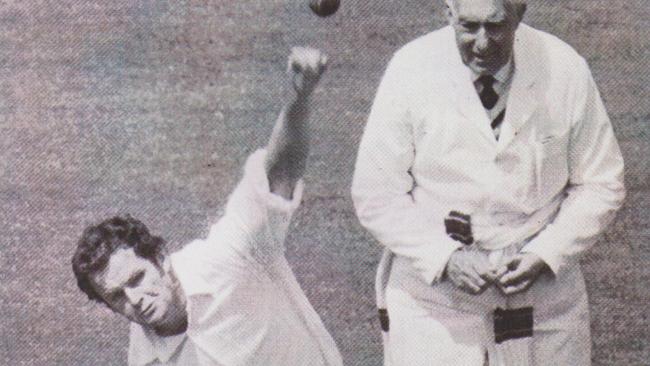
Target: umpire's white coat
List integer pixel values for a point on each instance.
(549, 185)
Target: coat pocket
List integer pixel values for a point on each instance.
(552, 166)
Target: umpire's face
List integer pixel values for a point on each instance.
(138, 289)
(485, 33)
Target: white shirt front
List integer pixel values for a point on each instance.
(501, 86)
(244, 304)
(428, 149)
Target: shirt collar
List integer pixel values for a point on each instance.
(501, 76)
(145, 346)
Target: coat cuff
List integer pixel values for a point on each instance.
(552, 259)
(433, 267)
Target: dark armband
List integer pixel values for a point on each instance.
(513, 323)
(384, 321)
(459, 227)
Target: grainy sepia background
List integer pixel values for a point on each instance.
(150, 108)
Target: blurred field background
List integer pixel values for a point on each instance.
(151, 107)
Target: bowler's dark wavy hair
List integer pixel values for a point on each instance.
(99, 242)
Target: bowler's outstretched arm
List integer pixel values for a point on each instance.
(288, 146)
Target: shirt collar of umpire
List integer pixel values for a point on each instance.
(502, 76)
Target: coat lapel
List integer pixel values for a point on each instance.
(466, 101)
(525, 92)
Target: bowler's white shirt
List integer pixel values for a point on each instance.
(244, 304)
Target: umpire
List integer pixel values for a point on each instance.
(487, 167)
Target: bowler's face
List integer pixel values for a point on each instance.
(136, 288)
(485, 34)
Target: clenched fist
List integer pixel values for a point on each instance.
(470, 271)
(306, 65)
(520, 272)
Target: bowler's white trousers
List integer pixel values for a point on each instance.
(441, 325)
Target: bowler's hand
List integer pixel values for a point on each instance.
(520, 272)
(470, 271)
(306, 65)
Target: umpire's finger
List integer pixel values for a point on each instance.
(514, 289)
(470, 288)
(513, 277)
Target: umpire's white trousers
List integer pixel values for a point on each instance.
(441, 325)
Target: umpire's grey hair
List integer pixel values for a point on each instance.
(513, 7)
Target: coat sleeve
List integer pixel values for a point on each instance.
(595, 189)
(382, 183)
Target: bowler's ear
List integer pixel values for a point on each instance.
(521, 10)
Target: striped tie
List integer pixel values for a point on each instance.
(497, 121)
(489, 97)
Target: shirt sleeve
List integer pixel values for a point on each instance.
(382, 182)
(256, 220)
(595, 190)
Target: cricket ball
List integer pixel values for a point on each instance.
(324, 8)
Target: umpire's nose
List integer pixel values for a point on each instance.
(482, 41)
